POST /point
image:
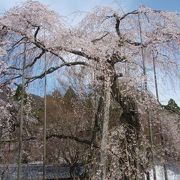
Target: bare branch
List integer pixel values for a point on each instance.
(61, 136)
(52, 69)
(100, 38)
(35, 59)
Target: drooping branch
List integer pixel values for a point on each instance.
(16, 140)
(30, 64)
(15, 44)
(53, 69)
(35, 59)
(36, 33)
(117, 27)
(127, 14)
(79, 140)
(58, 136)
(100, 38)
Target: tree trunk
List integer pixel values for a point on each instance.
(130, 120)
(107, 96)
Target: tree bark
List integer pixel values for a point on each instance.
(105, 128)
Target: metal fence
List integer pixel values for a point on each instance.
(35, 172)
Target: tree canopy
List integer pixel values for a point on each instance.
(120, 56)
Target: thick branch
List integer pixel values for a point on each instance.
(35, 59)
(15, 44)
(127, 14)
(16, 140)
(52, 69)
(61, 136)
(31, 64)
(100, 38)
(36, 33)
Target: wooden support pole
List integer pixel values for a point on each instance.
(157, 97)
(45, 121)
(145, 87)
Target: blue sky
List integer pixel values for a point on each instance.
(68, 7)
